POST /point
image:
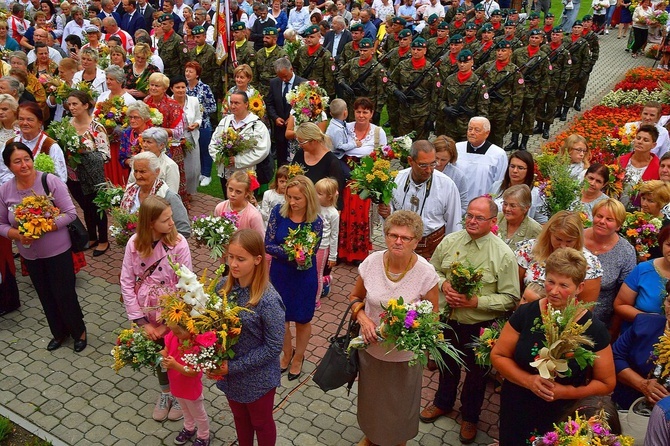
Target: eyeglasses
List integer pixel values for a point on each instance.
(515, 167)
(396, 237)
(580, 150)
(427, 165)
(477, 218)
(132, 118)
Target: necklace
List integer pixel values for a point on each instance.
(396, 277)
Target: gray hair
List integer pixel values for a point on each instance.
(90, 52)
(14, 84)
(75, 10)
(339, 19)
(154, 163)
(116, 73)
(423, 146)
(521, 193)
(19, 55)
(262, 7)
(283, 63)
(158, 134)
(141, 108)
(486, 124)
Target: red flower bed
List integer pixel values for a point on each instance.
(643, 77)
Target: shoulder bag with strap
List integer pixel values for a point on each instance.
(76, 229)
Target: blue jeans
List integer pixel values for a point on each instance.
(610, 12)
(205, 159)
(569, 17)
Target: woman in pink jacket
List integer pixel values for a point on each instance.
(146, 274)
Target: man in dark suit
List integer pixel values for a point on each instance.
(278, 108)
(337, 37)
(147, 11)
(108, 11)
(132, 20)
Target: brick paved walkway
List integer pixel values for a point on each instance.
(77, 399)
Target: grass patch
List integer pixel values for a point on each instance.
(5, 428)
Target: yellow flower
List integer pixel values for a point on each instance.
(369, 177)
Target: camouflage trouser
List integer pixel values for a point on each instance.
(581, 91)
(546, 106)
(455, 128)
(524, 120)
(571, 91)
(410, 121)
(393, 111)
(499, 128)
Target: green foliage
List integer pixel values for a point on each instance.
(6, 428)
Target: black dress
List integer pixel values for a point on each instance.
(522, 413)
(328, 166)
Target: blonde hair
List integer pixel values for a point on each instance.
(244, 69)
(329, 187)
(615, 207)
(160, 78)
(567, 262)
(445, 144)
(407, 219)
(306, 187)
(242, 177)
(658, 191)
(151, 208)
(142, 49)
(308, 131)
(252, 242)
(564, 222)
(118, 50)
(570, 142)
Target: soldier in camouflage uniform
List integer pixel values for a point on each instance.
(244, 50)
(205, 55)
(480, 16)
(430, 31)
(438, 46)
(373, 86)
(594, 47)
(449, 63)
(580, 67)
(510, 35)
(464, 95)
(416, 86)
(486, 50)
(548, 26)
(504, 97)
(451, 12)
(171, 48)
(350, 49)
(391, 39)
(536, 71)
(457, 26)
(397, 55)
(497, 23)
(559, 64)
(533, 23)
(470, 41)
(314, 62)
(265, 59)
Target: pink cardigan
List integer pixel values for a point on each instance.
(249, 218)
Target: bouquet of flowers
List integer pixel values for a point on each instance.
(57, 87)
(373, 179)
(5, 53)
(125, 227)
(156, 116)
(300, 244)
(86, 88)
(465, 278)
(256, 105)
(230, 143)
(659, 18)
(134, 348)
(660, 357)
(414, 328)
(484, 343)
(580, 431)
(44, 163)
(614, 186)
(291, 48)
(66, 136)
(108, 196)
(621, 140)
(215, 232)
(111, 113)
(211, 318)
(295, 169)
(564, 338)
(35, 216)
(559, 189)
(308, 101)
(641, 230)
(397, 149)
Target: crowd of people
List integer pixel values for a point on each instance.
(458, 77)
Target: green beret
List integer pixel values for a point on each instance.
(513, 11)
(510, 23)
(270, 31)
(357, 27)
(533, 15)
(577, 23)
(365, 44)
(470, 25)
(536, 32)
(419, 42)
(432, 19)
(164, 18)
(456, 38)
(310, 30)
(443, 25)
(557, 30)
(479, 7)
(238, 26)
(460, 9)
(399, 21)
(464, 56)
(487, 27)
(503, 44)
(587, 18)
(197, 30)
(496, 12)
(404, 33)
(549, 14)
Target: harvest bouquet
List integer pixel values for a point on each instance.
(558, 188)
(465, 278)
(580, 431)
(484, 343)
(68, 139)
(300, 245)
(621, 140)
(108, 196)
(134, 348)
(155, 116)
(373, 179)
(124, 227)
(414, 328)
(111, 113)
(215, 232)
(641, 230)
(35, 216)
(308, 101)
(231, 143)
(397, 149)
(660, 357)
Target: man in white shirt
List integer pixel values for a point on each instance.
(40, 36)
(298, 18)
(429, 193)
(16, 23)
(651, 114)
(75, 26)
(484, 163)
(489, 7)
(435, 7)
(113, 30)
(178, 9)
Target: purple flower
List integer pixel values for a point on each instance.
(599, 430)
(571, 427)
(409, 318)
(550, 438)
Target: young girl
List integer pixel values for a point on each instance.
(239, 192)
(575, 148)
(251, 378)
(186, 387)
(145, 272)
(275, 195)
(326, 189)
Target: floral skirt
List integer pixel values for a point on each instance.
(354, 238)
(177, 155)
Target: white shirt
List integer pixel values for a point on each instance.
(489, 7)
(483, 169)
(442, 206)
(179, 10)
(246, 160)
(331, 230)
(99, 83)
(73, 28)
(54, 55)
(663, 141)
(430, 10)
(298, 20)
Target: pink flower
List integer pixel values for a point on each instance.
(206, 339)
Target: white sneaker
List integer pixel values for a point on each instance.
(607, 31)
(202, 177)
(205, 181)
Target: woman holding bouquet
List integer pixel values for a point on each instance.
(518, 347)
(139, 119)
(49, 257)
(250, 379)
(115, 78)
(67, 67)
(640, 164)
(138, 72)
(145, 274)
(391, 417)
(295, 279)
(90, 74)
(190, 141)
(641, 16)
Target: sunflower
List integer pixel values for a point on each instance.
(256, 105)
(176, 312)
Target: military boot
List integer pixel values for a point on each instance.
(537, 130)
(578, 104)
(564, 114)
(524, 142)
(514, 144)
(545, 132)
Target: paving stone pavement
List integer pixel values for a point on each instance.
(77, 399)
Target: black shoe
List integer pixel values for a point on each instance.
(537, 130)
(564, 114)
(545, 132)
(294, 376)
(514, 144)
(80, 344)
(99, 252)
(54, 344)
(578, 104)
(9, 310)
(524, 143)
(284, 369)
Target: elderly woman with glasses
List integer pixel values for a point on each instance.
(155, 140)
(514, 224)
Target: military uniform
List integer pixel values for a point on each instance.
(316, 63)
(594, 48)
(515, 41)
(391, 61)
(560, 65)
(349, 51)
(245, 54)
(462, 101)
(264, 69)
(206, 57)
(373, 87)
(174, 53)
(506, 98)
(435, 48)
(579, 69)
(484, 53)
(457, 28)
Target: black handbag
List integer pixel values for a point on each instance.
(338, 367)
(76, 229)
